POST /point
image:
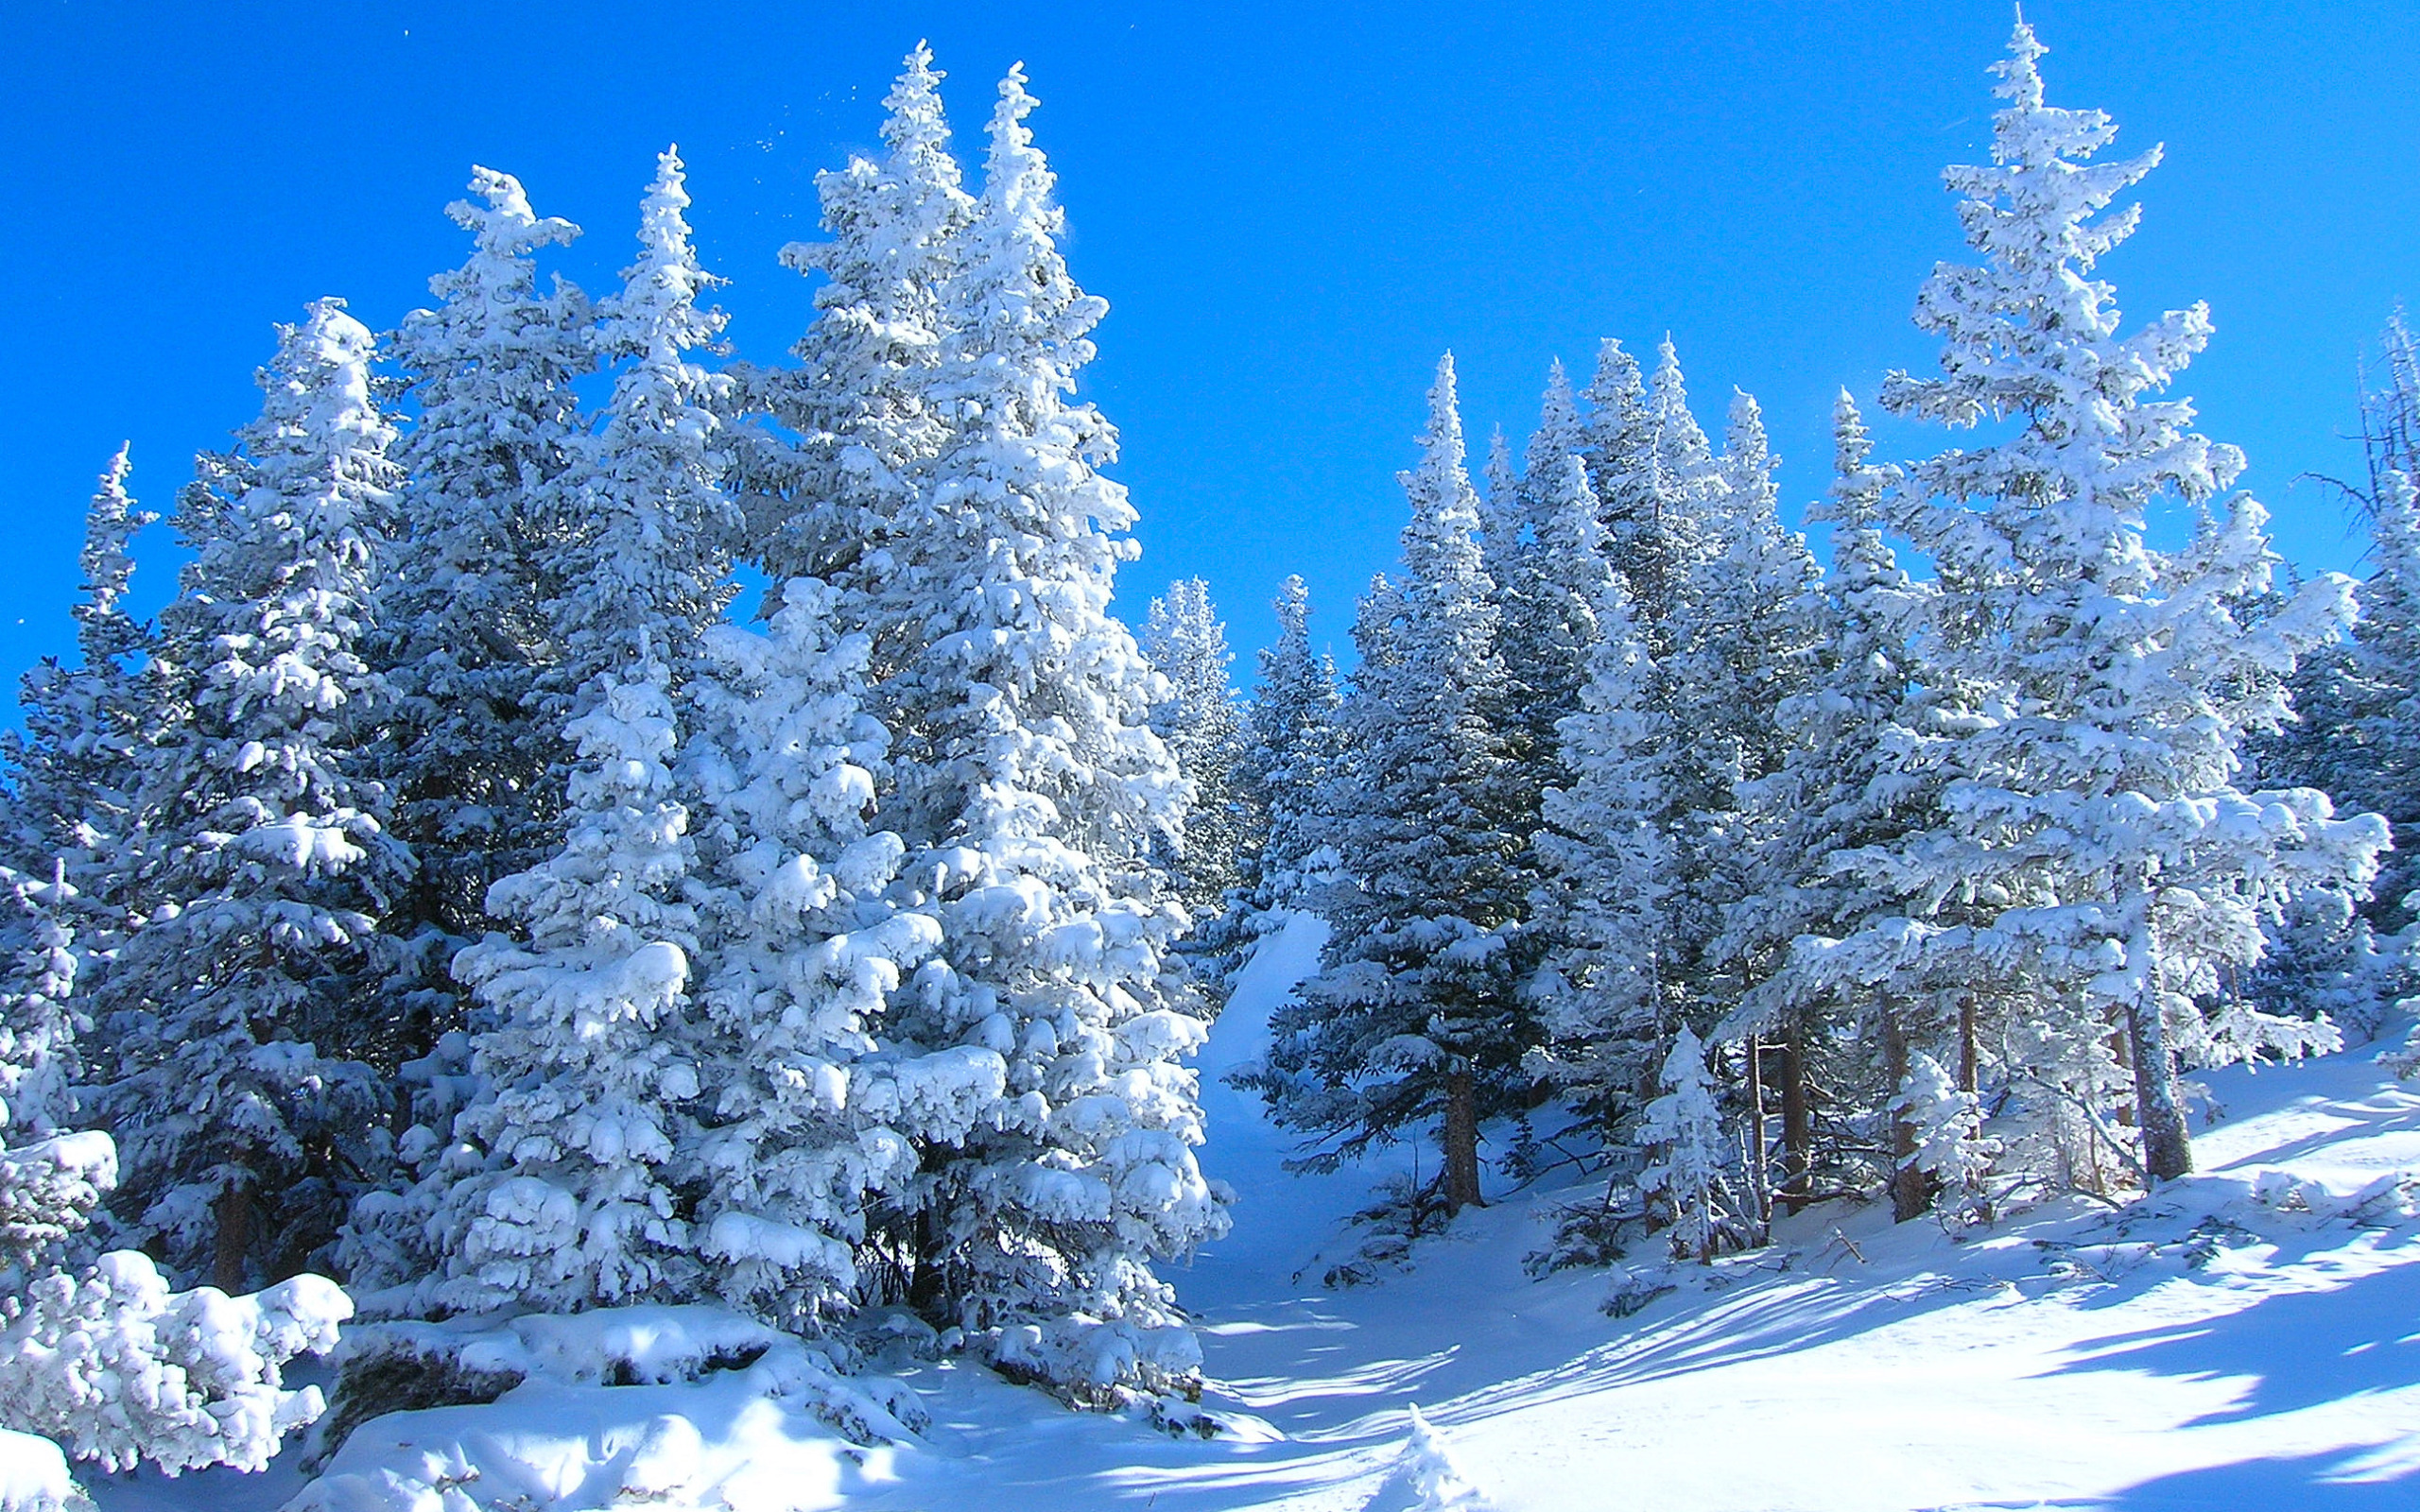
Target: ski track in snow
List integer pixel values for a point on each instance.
(2071, 1358)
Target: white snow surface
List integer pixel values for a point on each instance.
(2249, 1338)
(33, 1473)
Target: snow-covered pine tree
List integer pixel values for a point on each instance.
(51, 1178)
(1623, 452)
(1600, 909)
(860, 403)
(1202, 726)
(649, 567)
(2092, 811)
(1667, 536)
(1547, 603)
(1413, 1016)
(1290, 755)
(797, 1106)
(1856, 772)
(75, 766)
(557, 1188)
(1030, 792)
(474, 750)
(1686, 1178)
(557, 1192)
(241, 1012)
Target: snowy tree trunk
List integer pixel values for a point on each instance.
(1969, 1052)
(1909, 1193)
(233, 1213)
(1462, 1141)
(1759, 1168)
(1797, 1120)
(2168, 1147)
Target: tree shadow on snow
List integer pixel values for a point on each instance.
(2311, 1483)
(2297, 1349)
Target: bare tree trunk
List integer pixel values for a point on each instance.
(1969, 1055)
(1908, 1194)
(1461, 1142)
(1759, 1168)
(234, 1210)
(2168, 1147)
(1797, 1120)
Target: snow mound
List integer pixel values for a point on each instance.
(689, 1407)
(33, 1475)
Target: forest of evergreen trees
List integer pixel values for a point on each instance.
(464, 892)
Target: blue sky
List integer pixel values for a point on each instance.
(1292, 209)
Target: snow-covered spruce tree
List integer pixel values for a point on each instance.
(1738, 654)
(1202, 726)
(241, 1012)
(798, 1112)
(74, 771)
(558, 1190)
(95, 1351)
(1688, 1178)
(1290, 754)
(834, 500)
(49, 1190)
(1674, 528)
(1621, 455)
(1545, 595)
(1030, 793)
(2092, 814)
(1607, 872)
(2357, 737)
(1414, 1015)
(74, 765)
(467, 636)
(648, 568)
(1858, 771)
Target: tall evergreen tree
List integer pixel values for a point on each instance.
(2093, 806)
(75, 766)
(1739, 654)
(799, 1107)
(557, 1188)
(1860, 769)
(468, 640)
(1030, 792)
(1202, 726)
(243, 1092)
(860, 404)
(1290, 757)
(1603, 903)
(1413, 1016)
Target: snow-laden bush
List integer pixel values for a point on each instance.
(122, 1371)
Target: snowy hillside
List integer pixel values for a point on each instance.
(2246, 1339)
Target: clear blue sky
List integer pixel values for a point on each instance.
(1291, 208)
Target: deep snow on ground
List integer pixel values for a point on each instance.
(2246, 1339)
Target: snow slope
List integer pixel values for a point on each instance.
(2248, 1339)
